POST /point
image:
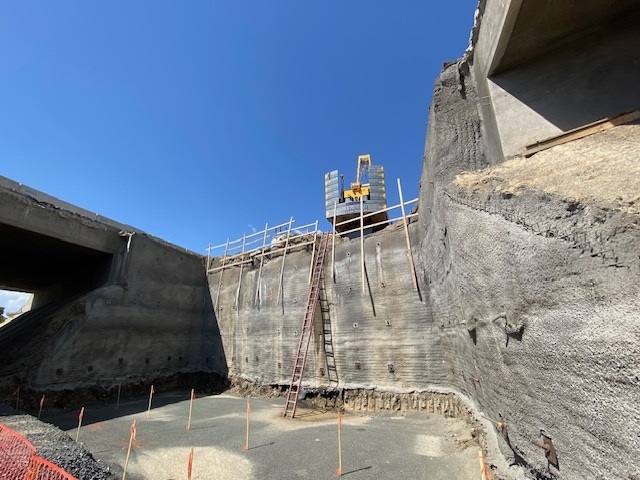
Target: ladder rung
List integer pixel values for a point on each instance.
(307, 333)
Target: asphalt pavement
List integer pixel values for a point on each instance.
(413, 445)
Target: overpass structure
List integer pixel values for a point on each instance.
(545, 67)
(111, 303)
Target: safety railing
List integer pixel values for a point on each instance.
(253, 248)
(271, 240)
(18, 460)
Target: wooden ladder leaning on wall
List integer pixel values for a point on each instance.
(307, 328)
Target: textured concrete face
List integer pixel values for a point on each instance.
(382, 327)
(521, 309)
(542, 322)
(527, 306)
(155, 322)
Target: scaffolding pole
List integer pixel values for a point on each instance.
(286, 245)
(244, 239)
(264, 243)
(406, 234)
(364, 287)
(333, 244)
(224, 258)
(313, 252)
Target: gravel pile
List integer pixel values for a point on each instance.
(56, 446)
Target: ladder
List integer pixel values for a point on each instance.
(307, 328)
(332, 371)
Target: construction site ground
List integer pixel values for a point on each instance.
(387, 445)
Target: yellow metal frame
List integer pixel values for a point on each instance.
(358, 189)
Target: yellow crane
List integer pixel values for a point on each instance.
(359, 189)
(345, 205)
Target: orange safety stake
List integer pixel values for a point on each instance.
(79, 422)
(193, 395)
(119, 388)
(339, 472)
(246, 445)
(150, 397)
(483, 467)
(132, 437)
(190, 464)
(41, 405)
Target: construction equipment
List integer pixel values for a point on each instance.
(367, 195)
(307, 328)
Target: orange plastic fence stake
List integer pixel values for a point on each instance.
(339, 472)
(246, 445)
(483, 467)
(79, 422)
(150, 397)
(41, 405)
(17, 394)
(193, 395)
(132, 436)
(190, 464)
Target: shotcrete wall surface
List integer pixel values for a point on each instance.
(546, 297)
(527, 309)
(372, 330)
(155, 321)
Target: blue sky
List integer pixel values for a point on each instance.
(198, 120)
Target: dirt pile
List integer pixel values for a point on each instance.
(599, 169)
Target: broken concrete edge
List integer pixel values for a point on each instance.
(446, 402)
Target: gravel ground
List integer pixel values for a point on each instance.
(56, 446)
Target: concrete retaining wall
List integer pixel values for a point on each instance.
(519, 312)
(539, 328)
(383, 326)
(157, 321)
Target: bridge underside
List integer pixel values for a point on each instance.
(34, 262)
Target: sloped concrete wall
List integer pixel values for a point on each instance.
(156, 321)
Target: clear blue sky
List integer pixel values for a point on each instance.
(198, 120)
